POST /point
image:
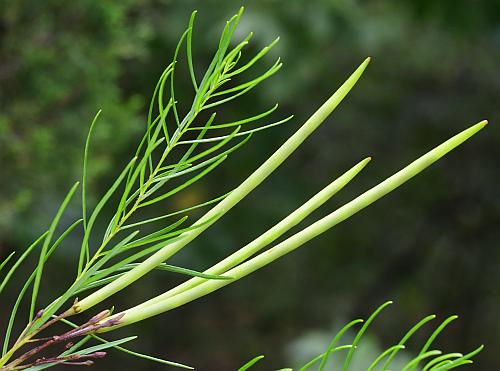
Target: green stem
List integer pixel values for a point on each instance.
(225, 205)
(140, 313)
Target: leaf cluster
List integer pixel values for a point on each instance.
(152, 176)
(176, 151)
(427, 358)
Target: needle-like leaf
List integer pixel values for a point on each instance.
(405, 339)
(6, 260)
(361, 332)
(45, 246)
(335, 340)
(16, 265)
(28, 282)
(431, 339)
(189, 50)
(250, 363)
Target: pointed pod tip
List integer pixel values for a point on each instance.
(479, 126)
(360, 165)
(363, 65)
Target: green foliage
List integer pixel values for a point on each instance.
(145, 177)
(146, 181)
(430, 359)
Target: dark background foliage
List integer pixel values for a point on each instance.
(431, 246)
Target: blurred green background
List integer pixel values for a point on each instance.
(432, 246)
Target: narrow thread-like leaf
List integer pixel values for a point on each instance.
(16, 265)
(250, 363)
(45, 246)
